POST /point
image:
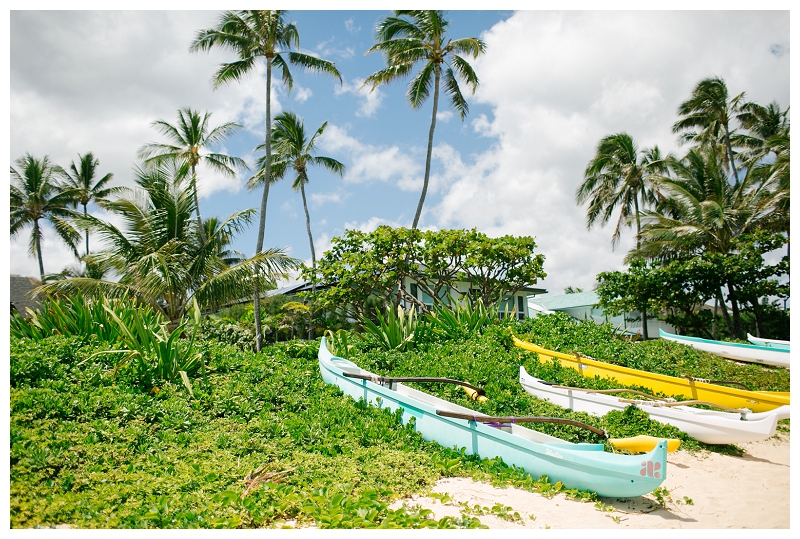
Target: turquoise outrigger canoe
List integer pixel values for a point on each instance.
(579, 466)
(752, 353)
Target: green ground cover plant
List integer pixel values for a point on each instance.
(93, 450)
(262, 441)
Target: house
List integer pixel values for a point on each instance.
(516, 305)
(20, 291)
(583, 305)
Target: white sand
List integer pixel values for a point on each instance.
(751, 491)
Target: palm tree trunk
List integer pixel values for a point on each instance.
(737, 318)
(638, 224)
(37, 239)
(644, 323)
(430, 149)
(730, 152)
(714, 332)
(196, 206)
(313, 264)
(85, 213)
(725, 314)
(263, 218)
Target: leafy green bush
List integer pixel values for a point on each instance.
(393, 332)
(156, 353)
(459, 321)
(239, 334)
(76, 315)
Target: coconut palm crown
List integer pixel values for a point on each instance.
(189, 137)
(620, 176)
(81, 178)
(37, 197)
(707, 115)
(419, 37)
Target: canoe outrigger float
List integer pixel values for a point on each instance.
(688, 387)
(751, 353)
(708, 426)
(580, 466)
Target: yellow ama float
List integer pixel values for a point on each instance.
(757, 401)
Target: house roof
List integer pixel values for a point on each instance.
(306, 287)
(20, 293)
(568, 301)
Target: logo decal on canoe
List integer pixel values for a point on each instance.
(650, 468)
(555, 454)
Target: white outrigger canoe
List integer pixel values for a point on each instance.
(778, 357)
(769, 343)
(708, 426)
(580, 466)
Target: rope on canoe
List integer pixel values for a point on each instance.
(490, 419)
(388, 380)
(681, 403)
(707, 381)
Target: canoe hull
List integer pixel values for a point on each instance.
(770, 343)
(580, 466)
(708, 426)
(757, 401)
(751, 353)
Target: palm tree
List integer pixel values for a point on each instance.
(710, 110)
(293, 150)
(419, 36)
(619, 175)
(189, 137)
(36, 196)
(82, 181)
(762, 124)
(158, 254)
(250, 35)
(706, 213)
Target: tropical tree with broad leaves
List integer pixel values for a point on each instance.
(188, 138)
(706, 212)
(295, 151)
(254, 34)
(706, 118)
(158, 254)
(419, 37)
(81, 179)
(620, 176)
(37, 197)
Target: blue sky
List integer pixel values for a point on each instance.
(552, 84)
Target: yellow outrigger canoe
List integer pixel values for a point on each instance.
(757, 401)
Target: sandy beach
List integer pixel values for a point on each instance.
(706, 490)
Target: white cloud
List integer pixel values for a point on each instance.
(370, 99)
(301, 95)
(369, 163)
(591, 73)
(351, 26)
(329, 49)
(371, 224)
(444, 116)
(318, 199)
